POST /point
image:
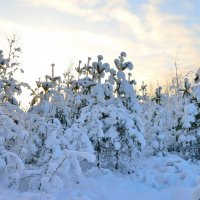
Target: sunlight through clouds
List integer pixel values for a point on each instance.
(78, 29)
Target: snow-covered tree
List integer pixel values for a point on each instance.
(113, 132)
(188, 131)
(113, 124)
(9, 86)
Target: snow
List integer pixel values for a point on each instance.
(166, 178)
(170, 171)
(196, 91)
(106, 187)
(190, 111)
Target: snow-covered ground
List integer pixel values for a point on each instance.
(105, 187)
(158, 178)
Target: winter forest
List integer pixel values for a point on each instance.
(94, 124)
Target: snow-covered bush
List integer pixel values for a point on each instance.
(56, 146)
(186, 89)
(114, 133)
(13, 139)
(188, 130)
(159, 128)
(51, 154)
(49, 98)
(117, 78)
(169, 171)
(143, 97)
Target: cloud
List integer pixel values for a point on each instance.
(95, 10)
(161, 36)
(42, 47)
(151, 38)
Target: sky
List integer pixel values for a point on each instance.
(153, 33)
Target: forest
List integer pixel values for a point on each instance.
(94, 119)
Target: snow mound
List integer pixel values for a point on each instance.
(169, 171)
